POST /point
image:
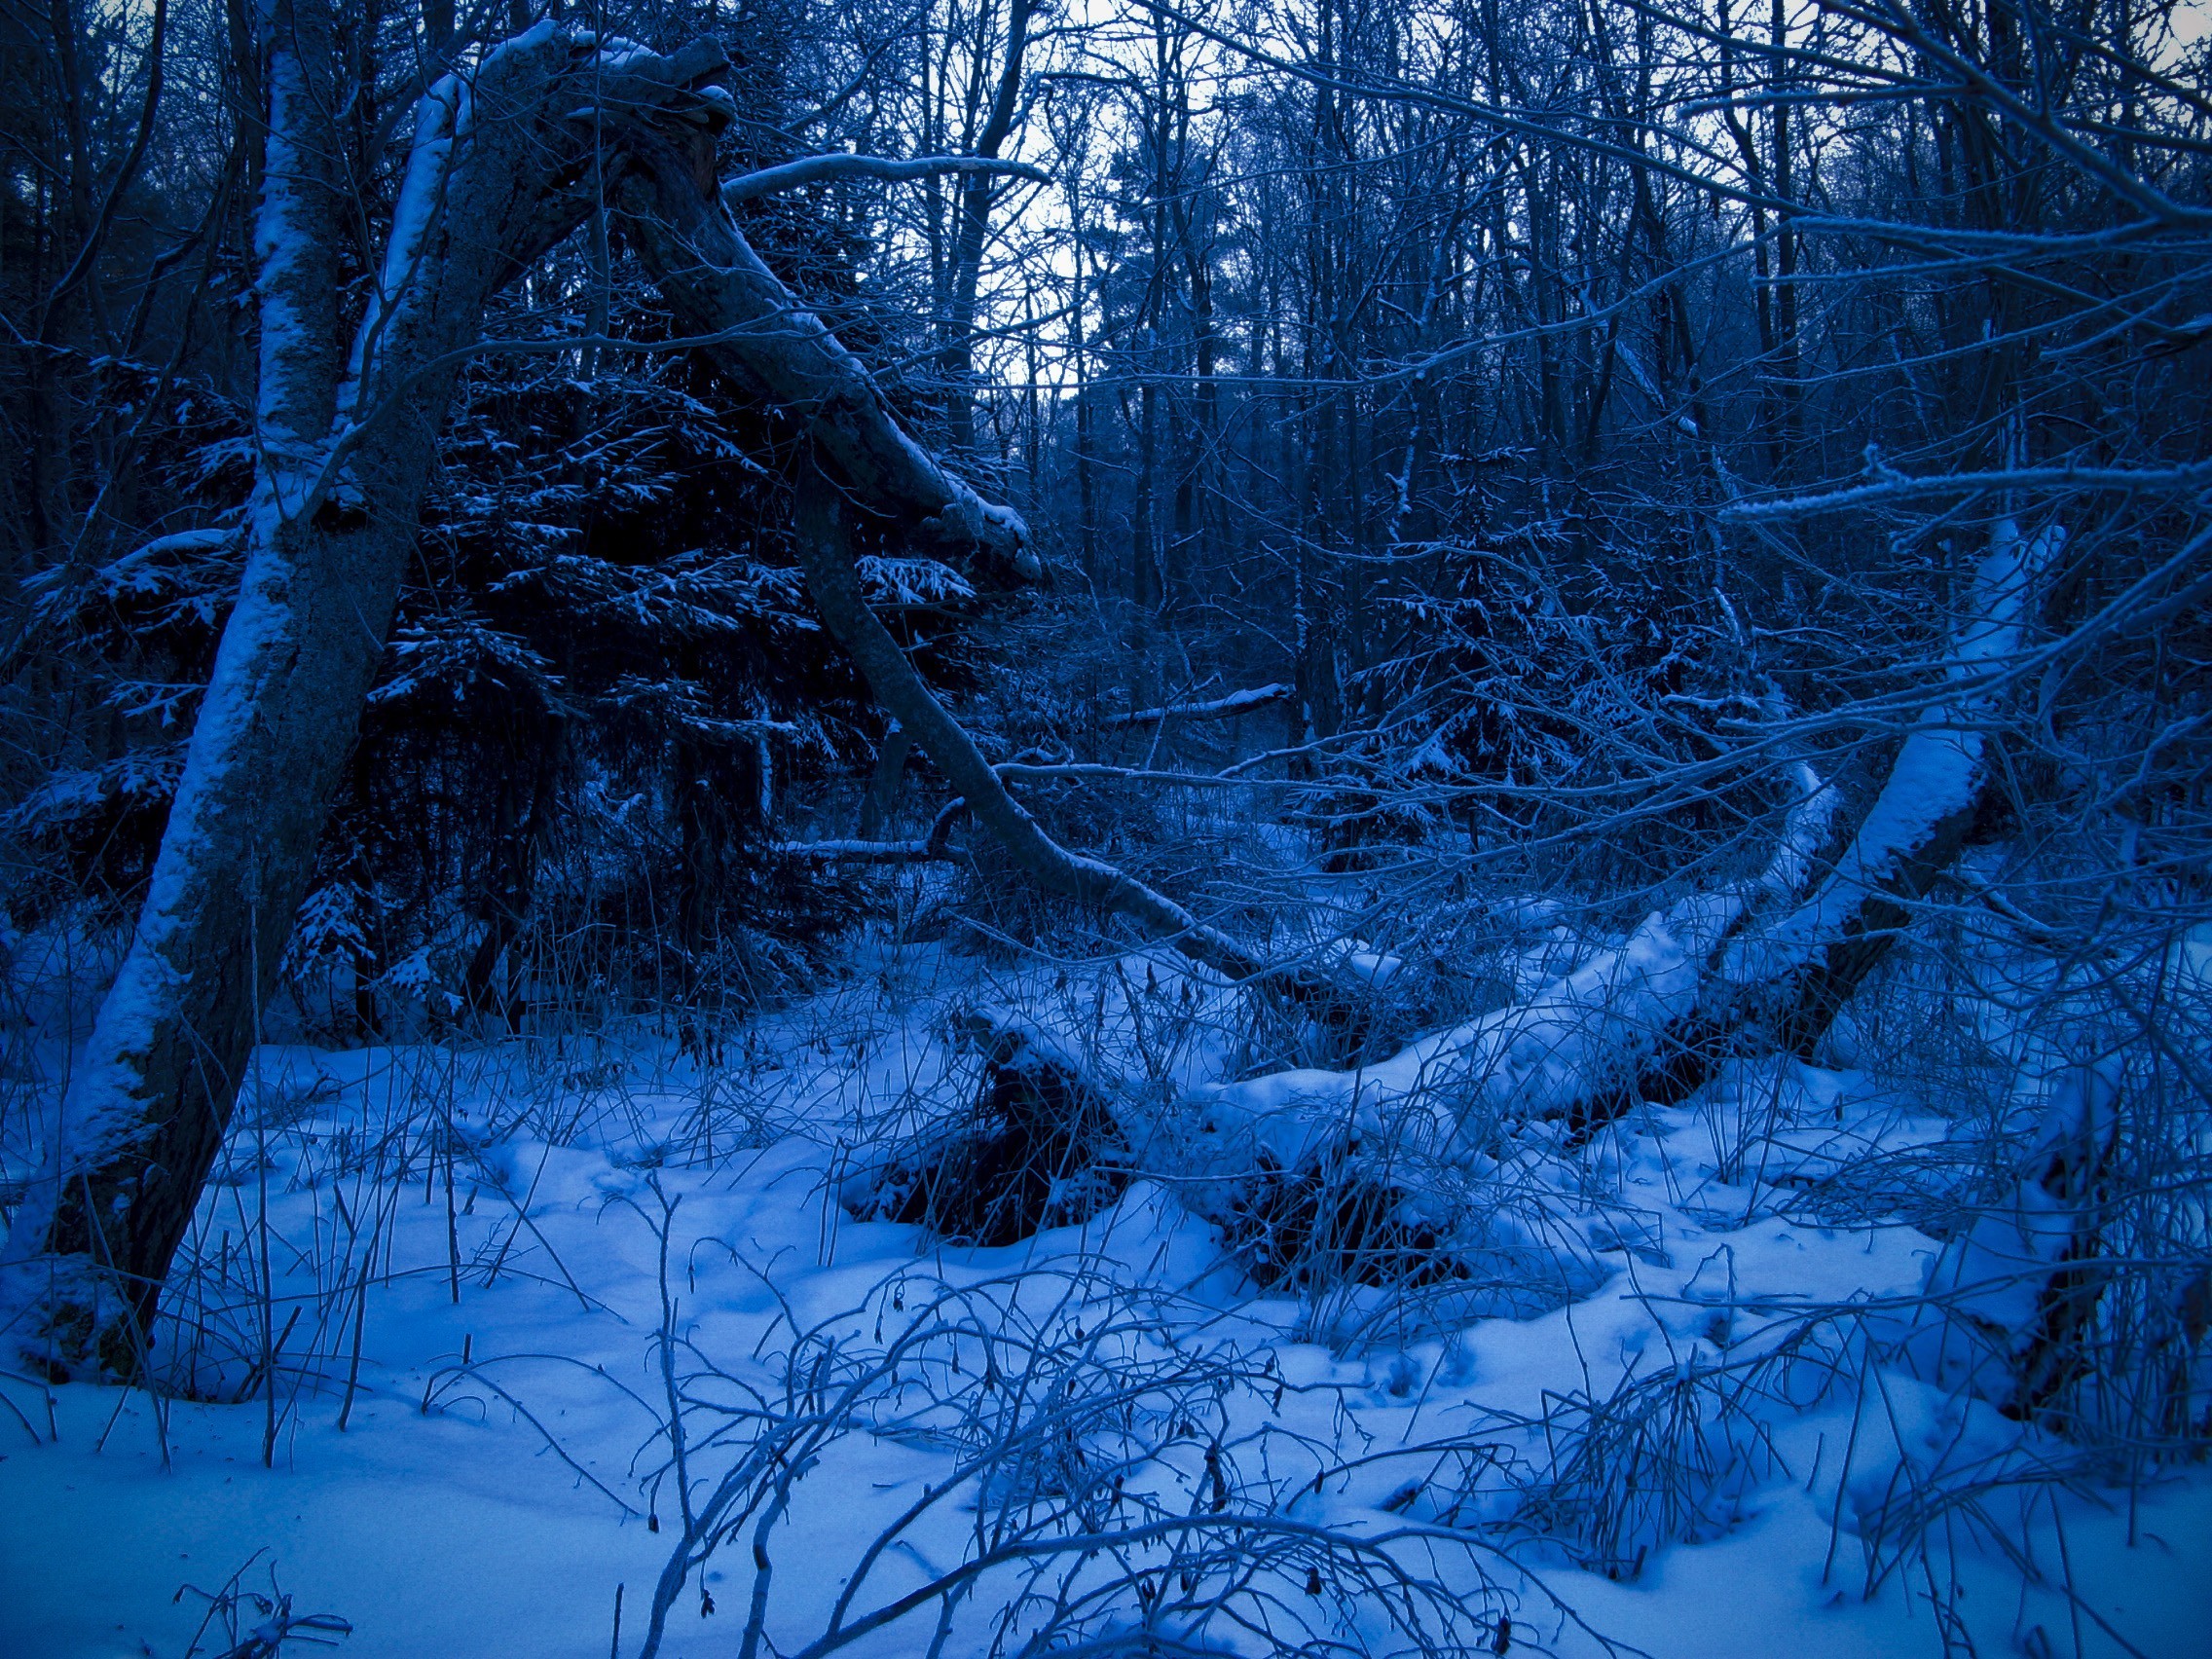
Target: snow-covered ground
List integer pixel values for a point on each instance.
(608, 1194)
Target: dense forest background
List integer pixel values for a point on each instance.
(1471, 373)
(1465, 480)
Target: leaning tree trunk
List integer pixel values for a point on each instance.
(142, 1118)
(826, 554)
(864, 466)
(772, 346)
(347, 440)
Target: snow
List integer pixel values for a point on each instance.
(138, 572)
(1218, 708)
(910, 581)
(1532, 1059)
(1934, 775)
(284, 234)
(442, 118)
(146, 776)
(502, 1518)
(1804, 827)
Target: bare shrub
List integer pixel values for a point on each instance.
(1114, 1489)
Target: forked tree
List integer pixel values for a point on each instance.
(512, 152)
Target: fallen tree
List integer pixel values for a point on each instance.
(1748, 967)
(1780, 986)
(1345, 1163)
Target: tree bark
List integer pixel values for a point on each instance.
(346, 441)
(759, 336)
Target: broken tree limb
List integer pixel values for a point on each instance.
(936, 847)
(776, 349)
(1218, 708)
(867, 852)
(1097, 772)
(826, 555)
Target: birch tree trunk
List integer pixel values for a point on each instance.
(347, 439)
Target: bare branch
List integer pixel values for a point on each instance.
(835, 167)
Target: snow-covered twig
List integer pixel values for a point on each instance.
(1216, 709)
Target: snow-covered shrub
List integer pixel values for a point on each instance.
(1666, 1457)
(1111, 1489)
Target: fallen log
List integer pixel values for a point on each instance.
(1046, 1142)
(934, 848)
(1310, 1170)
(865, 852)
(1710, 976)
(1040, 1146)
(1779, 987)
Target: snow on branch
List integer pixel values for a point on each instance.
(442, 118)
(1443, 1094)
(1887, 486)
(1029, 772)
(1219, 709)
(759, 333)
(866, 852)
(1934, 782)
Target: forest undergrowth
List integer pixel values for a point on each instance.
(1412, 1400)
(1182, 827)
